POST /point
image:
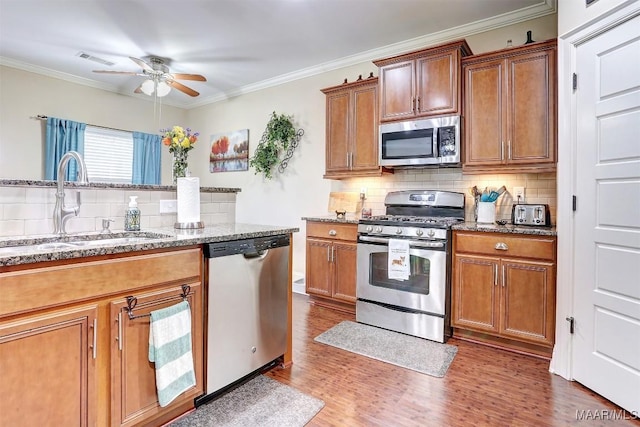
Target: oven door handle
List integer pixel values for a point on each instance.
(414, 243)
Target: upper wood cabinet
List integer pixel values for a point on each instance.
(422, 83)
(352, 129)
(509, 110)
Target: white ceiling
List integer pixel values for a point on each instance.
(238, 45)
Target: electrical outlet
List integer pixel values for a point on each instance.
(168, 206)
(518, 194)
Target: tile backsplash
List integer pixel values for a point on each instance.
(29, 210)
(539, 188)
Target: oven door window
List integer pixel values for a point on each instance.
(408, 144)
(419, 270)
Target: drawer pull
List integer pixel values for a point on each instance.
(333, 232)
(500, 246)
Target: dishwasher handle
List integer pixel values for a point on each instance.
(256, 254)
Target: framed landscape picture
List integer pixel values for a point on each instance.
(229, 151)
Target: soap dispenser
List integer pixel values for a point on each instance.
(132, 217)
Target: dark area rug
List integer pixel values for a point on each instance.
(427, 357)
(260, 402)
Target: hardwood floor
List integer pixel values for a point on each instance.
(483, 387)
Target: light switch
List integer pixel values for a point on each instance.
(168, 206)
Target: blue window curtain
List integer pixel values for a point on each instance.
(62, 136)
(146, 158)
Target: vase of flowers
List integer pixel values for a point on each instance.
(180, 141)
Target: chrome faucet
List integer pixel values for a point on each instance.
(61, 212)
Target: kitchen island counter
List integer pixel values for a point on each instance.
(14, 252)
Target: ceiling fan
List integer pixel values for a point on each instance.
(159, 79)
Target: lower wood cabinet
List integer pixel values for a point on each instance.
(503, 290)
(48, 369)
(70, 355)
(331, 264)
(134, 396)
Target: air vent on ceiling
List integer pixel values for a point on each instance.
(95, 59)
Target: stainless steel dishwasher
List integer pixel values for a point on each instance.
(247, 309)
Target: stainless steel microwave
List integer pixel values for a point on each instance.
(427, 142)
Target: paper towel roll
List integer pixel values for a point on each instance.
(188, 199)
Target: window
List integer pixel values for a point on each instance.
(108, 154)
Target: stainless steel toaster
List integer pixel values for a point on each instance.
(531, 214)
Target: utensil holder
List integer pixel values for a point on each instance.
(486, 212)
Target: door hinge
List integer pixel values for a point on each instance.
(572, 322)
(574, 203)
(575, 81)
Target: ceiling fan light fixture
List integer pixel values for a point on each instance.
(148, 87)
(162, 89)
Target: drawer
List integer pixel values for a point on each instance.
(505, 245)
(332, 230)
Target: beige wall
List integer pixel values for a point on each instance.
(24, 95)
(299, 191)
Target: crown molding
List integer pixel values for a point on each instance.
(543, 8)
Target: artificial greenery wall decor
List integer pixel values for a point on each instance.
(280, 136)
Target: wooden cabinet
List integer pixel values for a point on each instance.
(352, 129)
(331, 264)
(48, 369)
(510, 110)
(60, 360)
(134, 395)
(422, 83)
(503, 290)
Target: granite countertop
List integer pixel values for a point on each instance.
(72, 184)
(508, 228)
(44, 248)
(349, 219)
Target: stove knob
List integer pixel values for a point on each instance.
(378, 229)
(431, 233)
(369, 229)
(418, 232)
(398, 230)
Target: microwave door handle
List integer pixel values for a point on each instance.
(436, 139)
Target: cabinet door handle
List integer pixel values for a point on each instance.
(351, 162)
(501, 150)
(333, 232)
(328, 254)
(504, 278)
(120, 331)
(413, 105)
(500, 246)
(509, 149)
(95, 338)
(348, 166)
(495, 275)
(333, 254)
(418, 105)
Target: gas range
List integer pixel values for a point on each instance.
(418, 214)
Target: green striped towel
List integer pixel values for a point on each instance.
(170, 350)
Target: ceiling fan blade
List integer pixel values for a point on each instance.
(141, 63)
(130, 73)
(182, 88)
(196, 77)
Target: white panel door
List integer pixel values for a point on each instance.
(606, 353)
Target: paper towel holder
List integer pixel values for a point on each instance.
(188, 225)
